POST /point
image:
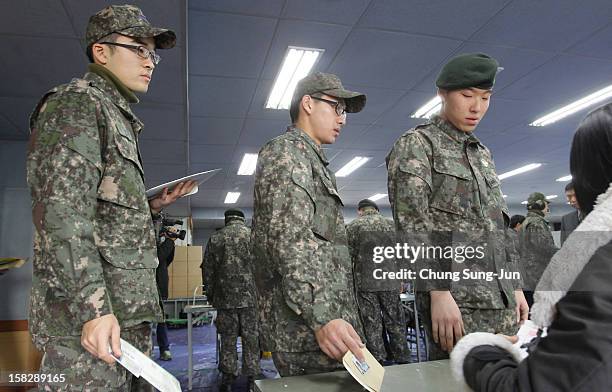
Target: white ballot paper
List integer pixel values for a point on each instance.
(197, 177)
(369, 374)
(527, 332)
(141, 365)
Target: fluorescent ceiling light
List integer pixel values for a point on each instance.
(550, 197)
(574, 107)
(429, 109)
(520, 170)
(248, 164)
(377, 196)
(524, 202)
(297, 63)
(350, 167)
(231, 197)
(564, 179)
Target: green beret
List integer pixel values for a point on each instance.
(367, 203)
(536, 200)
(468, 70)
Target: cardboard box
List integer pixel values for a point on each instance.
(179, 268)
(180, 253)
(194, 254)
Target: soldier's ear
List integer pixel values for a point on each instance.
(306, 104)
(99, 53)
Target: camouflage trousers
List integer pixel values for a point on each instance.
(380, 309)
(230, 324)
(84, 372)
(302, 363)
(474, 320)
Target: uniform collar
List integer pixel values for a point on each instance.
(306, 138)
(369, 211)
(536, 213)
(452, 132)
(121, 96)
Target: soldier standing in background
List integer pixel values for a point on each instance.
(303, 271)
(227, 274)
(537, 243)
(94, 245)
(378, 299)
(442, 179)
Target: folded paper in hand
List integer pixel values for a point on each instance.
(197, 177)
(369, 373)
(140, 365)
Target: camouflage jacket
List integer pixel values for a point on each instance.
(363, 233)
(302, 265)
(441, 179)
(94, 245)
(513, 254)
(227, 270)
(537, 247)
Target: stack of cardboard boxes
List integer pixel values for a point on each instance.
(184, 274)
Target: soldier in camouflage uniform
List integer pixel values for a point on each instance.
(378, 299)
(227, 274)
(536, 243)
(94, 245)
(306, 303)
(442, 180)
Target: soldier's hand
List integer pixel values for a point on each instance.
(522, 308)
(446, 322)
(96, 335)
(167, 197)
(337, 337)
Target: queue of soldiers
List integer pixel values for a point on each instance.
(294, 284)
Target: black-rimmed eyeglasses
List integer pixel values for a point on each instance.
(141, 51)
(339, 107)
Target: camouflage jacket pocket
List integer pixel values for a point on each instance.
(127, 146)
(327, 203)
(125, 258)
(122, 180)
(451, 186)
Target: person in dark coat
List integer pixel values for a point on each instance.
(165, 255)
(573, 298)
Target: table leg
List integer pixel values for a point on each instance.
(189, 349)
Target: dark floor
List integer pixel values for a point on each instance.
(205, 374)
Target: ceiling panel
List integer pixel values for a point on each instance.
(394, 60)
(345, 12)
(304, 34)
(33, 17)
(162, 122)
(228, 45)
(214, 130)
(220, 97)
(598, 45)
(240, 7)
(549, 25)
(431, 17)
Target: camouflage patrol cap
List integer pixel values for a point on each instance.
(233, 212)
(126, 20)
(367, 203)
(468, 70)
(536, 200)
(329, 84)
